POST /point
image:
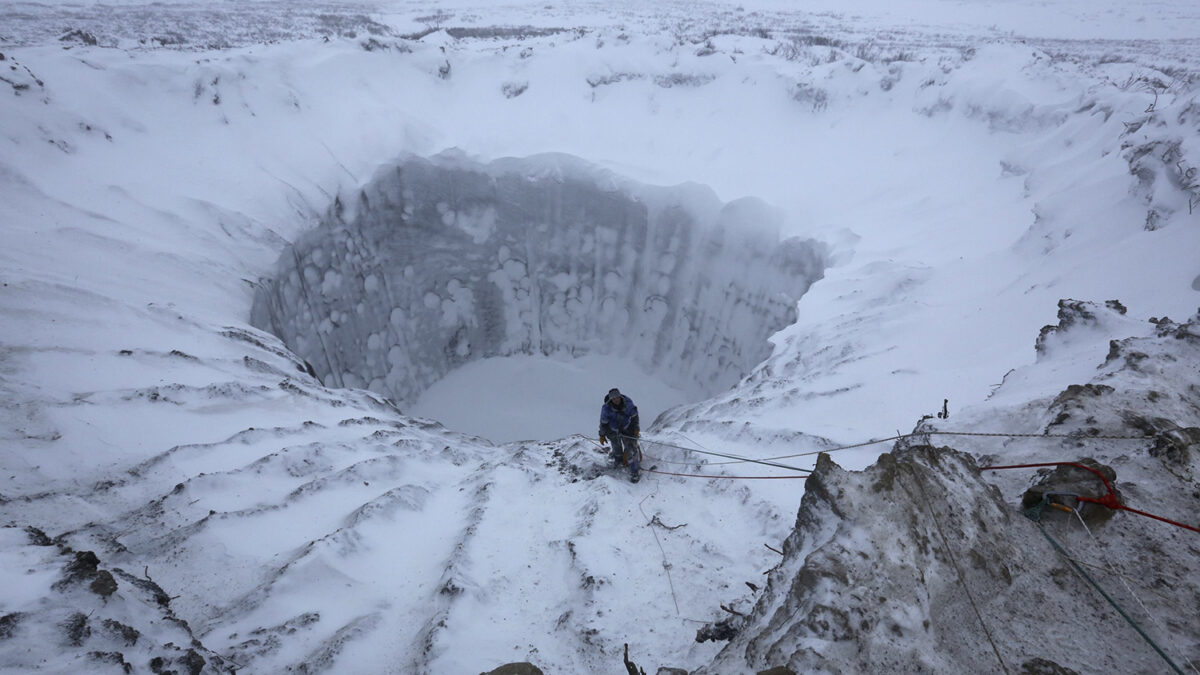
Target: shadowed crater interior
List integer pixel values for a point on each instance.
(442, 261)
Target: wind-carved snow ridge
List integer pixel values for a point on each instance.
(443, 261)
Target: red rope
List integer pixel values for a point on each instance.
(1109, 500)
(697, 475)
(1143, 513)
(1075, 464)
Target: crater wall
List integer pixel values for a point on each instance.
(441, 261)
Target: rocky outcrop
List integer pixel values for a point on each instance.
(443, 261)
(919, 565)
(922, 563)
(1072, 313)
(870, 581)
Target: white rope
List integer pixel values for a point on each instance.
(666, 563)
(1129, 588)
(728, 456)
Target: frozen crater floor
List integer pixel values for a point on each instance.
(513, 398)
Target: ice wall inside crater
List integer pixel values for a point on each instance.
(441, 261)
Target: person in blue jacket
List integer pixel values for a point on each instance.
(619, 425)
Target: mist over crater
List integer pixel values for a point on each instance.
(441, 261)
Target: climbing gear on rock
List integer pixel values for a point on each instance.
(1034, 513)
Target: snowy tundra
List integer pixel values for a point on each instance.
(307, 310)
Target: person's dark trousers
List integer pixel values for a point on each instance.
(617, 451)
(625, 447)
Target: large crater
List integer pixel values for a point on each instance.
(442, 261)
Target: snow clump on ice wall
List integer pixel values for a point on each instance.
(442, 261)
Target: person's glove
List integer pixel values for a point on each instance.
(603, 441)
(637, 433)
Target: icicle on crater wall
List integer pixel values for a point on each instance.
(442, 261)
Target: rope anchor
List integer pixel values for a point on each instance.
(1109, 500)
(1034, 513)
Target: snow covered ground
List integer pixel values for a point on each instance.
(510, 397)
(966, 165)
